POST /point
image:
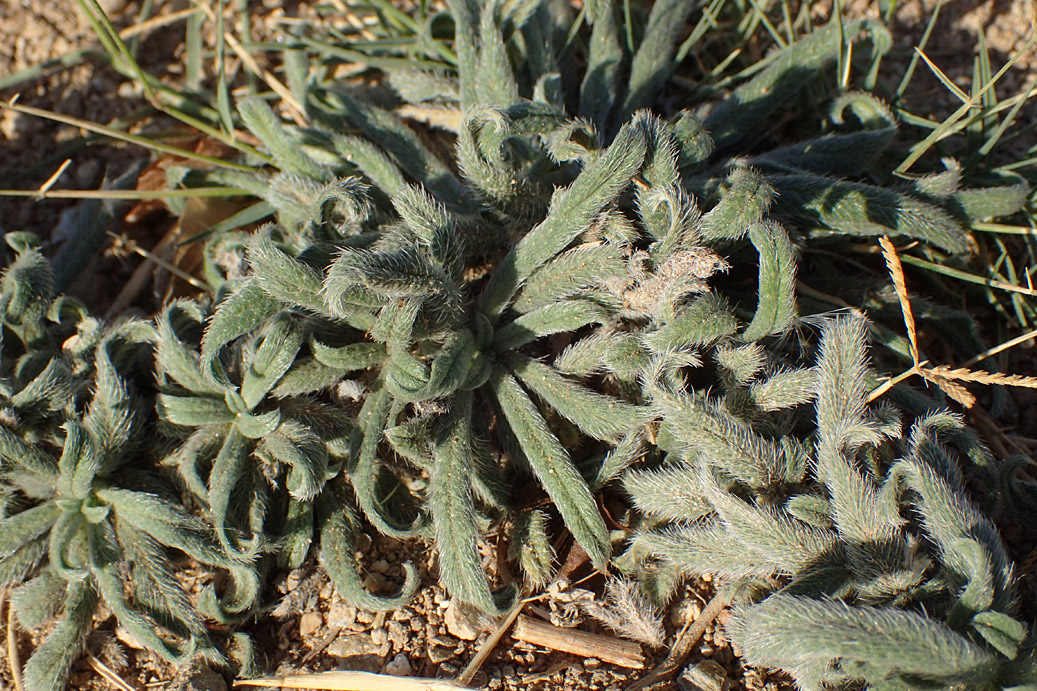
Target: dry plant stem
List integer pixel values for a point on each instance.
(13, 659)
(1029, 335)
(351, 681)
(157, 22)
(108, 673)
(489, 644)
(684, 644)
(140, 277)
(295, 109)
(581, 643)
(153, 258)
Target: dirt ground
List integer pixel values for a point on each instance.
(313, 629)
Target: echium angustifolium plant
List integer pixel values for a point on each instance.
(445, 290)
(83, 521)
(525, 309)
(875, 563)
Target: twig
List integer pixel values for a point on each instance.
(324, 643)
(175, 270)
(581, 643)
(351, 681)
(1029, 335)
(487, 647)
(686, 640)
(13, 658)
(108, 673)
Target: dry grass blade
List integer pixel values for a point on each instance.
(896, 272)
(122, 136)
(351, 681)
(108, 673)
(989, 352)
(13, 658)
(487, 647)
(295, 109)
(53, 179)
(157, 22)
(127, 194)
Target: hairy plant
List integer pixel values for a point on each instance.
(863, 531)
(83, 521)
(568, 219)
(574, 272)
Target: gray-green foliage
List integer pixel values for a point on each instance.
(84, 520)
(415, 335)
(888, 570)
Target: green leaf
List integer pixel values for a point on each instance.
(568, 274)
(1001, 631)
(282, 277)
(653, 60)
(572, 212)
(704, 320)
(858, 209)
(337, 547)
(597, 415)
(281, 341)
(298, 447)
(453, 508)
(193, 411)
(553, 467)
(240, 313)
(786, 73)
(557, 317)
(776, 309)
(49, 666)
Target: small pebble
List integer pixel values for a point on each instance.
(310, 623)
(460, 623)
(399, 666)
(438, 654)
(704, 676)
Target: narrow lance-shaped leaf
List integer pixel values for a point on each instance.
(337, 546)
(805, 636)
(49, 666)
(858, 209)
(453, 508)
(552, 465)
(600, 87)
(558, 317)
(654, 57)
(776, 308)
(597, 415)
(572, 213)
(260, 119)
(367, 473)
(786, 73)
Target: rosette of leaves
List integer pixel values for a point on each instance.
(256, 446)
(570, 214)
(454, 372)
(881, 568)
(83, 523)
